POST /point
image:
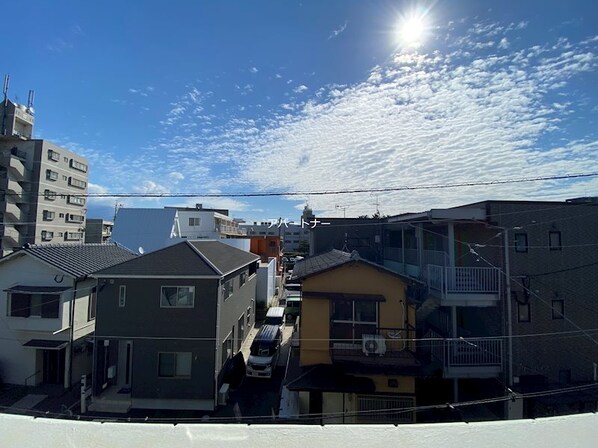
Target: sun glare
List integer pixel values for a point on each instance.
(411, 30)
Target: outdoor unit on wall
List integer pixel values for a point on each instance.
(223, 394)
(111, 372)
(373, 344)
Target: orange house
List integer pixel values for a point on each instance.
(267, 247)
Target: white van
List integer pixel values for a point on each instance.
(264, 352)
(275, 316)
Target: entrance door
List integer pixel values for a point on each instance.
(53, 366)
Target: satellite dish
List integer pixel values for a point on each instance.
(141, 250)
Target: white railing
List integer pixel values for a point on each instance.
(436, 276)
(476, 280)
(471, 352)
(435, 343)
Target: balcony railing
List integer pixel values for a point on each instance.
(393, 253)
(458, 280)
(370, 341)
(465, 357)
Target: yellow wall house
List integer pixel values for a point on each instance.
(357, 359)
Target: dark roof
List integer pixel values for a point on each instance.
(45, 344)
(267, 333)
(46, 289)
(226, 258)
(327, 261)
(187, 258)
(317, 263)
(77, 260)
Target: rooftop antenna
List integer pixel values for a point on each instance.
(343, 208)
(5, 91)
(30, 99)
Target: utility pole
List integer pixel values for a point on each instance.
(343, 208)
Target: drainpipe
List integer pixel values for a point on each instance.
(509, 314)
(72, 335)
(218, 345)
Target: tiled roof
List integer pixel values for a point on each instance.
(322, 262)
(188, 258)
(334, 258)
(79, 260)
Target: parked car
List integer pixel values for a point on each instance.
(292, 308)
(264, 352)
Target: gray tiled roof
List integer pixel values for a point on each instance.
(187, 258)
(317, 263)
(334, 258)
(79, 260)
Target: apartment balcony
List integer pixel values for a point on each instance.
(230, 230)
(373, 346)
(466, 357)
(36, 324)
(15, 167)
(10, 236)
(14, 213)
(14, 190)
(464, 286)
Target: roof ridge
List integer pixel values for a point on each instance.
(204, 257)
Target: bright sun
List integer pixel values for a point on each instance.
(411, 30)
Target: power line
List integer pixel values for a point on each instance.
(332, 192)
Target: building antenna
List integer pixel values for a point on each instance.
(117, 205)
(5, 91)
(343, 208)
(30, 99)
(377, 204)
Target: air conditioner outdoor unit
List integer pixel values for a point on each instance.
(111, 372)
(223, 394)
(373, 344)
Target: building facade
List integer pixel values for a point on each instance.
(168, 325)
(43, 193)
(48, 311)
(98, 230)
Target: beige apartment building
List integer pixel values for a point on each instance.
(43, 187)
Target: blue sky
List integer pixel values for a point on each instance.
(262, 96)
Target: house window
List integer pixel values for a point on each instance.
(74, 218)
(91, 309)
(47, 236)
(61, 215)
(521, 242)
(51, 175)
(49, 195)
(48, 215)
(194, 222)
(78, 165)
(242, 278)
(352, 318)
(558, 309)
(523, 312)
(73, 236)
(122, 296)
(174, 365)
(77, 183)
(177, 297)
(53, 155)
(46, 306)
(76, 200)
(228, 289)
(227, 349)
(554, 240)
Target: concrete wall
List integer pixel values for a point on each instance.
(266, 283)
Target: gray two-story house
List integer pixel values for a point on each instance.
(167, 324)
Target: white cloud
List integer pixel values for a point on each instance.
(176, 176)
(253, 70)
(335, 33)
(300, 89)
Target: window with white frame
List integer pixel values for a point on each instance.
(49, 215)
(227, 289)
(174, 365)
(80, 166)
(77, 183)
(53, 155)
(122, 295)
(73, 236)
(76, 200)
(70, 217)
(51, 175)
(47, 235)
(49, 195)
(177, 296)
(91, 309)
(194, 222)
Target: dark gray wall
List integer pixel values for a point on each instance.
(359, 234)
(576, 284)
